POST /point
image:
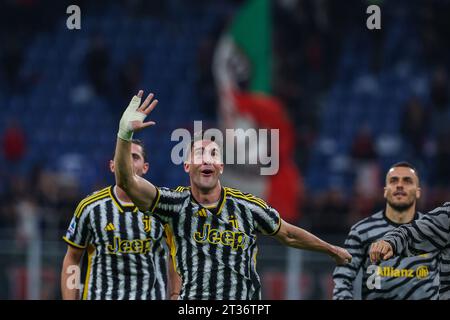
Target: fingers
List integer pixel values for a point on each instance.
(387, 251)
(380, 250)
(146, 102)
(140, 93)
(372, 252)
(388, 255)
(148, 124)
(151, 107)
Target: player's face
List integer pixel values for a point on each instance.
(139, 165)
(204, 164)
(402, 188)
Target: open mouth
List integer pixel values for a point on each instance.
(207, 172)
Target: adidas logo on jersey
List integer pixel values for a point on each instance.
(201, 213)
(110, 227)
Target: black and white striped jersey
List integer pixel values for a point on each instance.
(126, 253)
(431, 233)
(413, 276)
(214, 249)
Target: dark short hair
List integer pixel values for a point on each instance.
(200, 135)
(405, 164)
(139, 143)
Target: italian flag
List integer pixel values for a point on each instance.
(242, 69)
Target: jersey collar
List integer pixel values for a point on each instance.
(218, 208)
(121, 206)
(395, 224)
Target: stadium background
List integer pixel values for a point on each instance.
(357, 101)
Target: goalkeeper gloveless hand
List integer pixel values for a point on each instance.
(133, 118)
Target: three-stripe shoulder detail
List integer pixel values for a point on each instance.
(91, 199)
(246, 196)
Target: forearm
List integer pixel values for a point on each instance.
(302, 239)
(428, 233)
(123, 168)
(70, 282)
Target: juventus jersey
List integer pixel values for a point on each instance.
(126, 255)
(431, 233)
(413, 276)
(214, 249)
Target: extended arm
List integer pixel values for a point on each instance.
(429, 233)
(299, 238)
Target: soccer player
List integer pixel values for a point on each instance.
(414, 277)
(126, 256)
(213, 228)
(429, 234)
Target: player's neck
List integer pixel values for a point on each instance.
(121, 195)
(400, 217)
(206, 197)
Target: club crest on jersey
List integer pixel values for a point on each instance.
(227, 238)
(233, 221)
(147, 223)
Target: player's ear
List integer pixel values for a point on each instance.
(111, 165)
(186, 166)
(145, 167)
(385, 192)
(418, 192)
(221, 168)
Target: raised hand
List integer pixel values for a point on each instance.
(133, 118)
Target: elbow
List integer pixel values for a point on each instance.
(287, 239)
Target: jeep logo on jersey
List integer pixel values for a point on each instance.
(227, 238)
(129, 246)
(147, 223)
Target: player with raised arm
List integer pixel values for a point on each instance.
(213, 228)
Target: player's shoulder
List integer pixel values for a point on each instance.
(245, 197)
(178, 192)
(100, 193)
(443, 208)
(367, 222)
(93, 198)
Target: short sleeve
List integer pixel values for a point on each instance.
(78, 232)
(267, 219)
(168, 202)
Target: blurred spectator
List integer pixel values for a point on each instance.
(11, 61)
(14, 144)
(442, 161)
(363, 147)
(414, 126)
(367, 169)
(97, 65)
(440, 102)
(130, 76)
(331, 215)
(439, 90)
